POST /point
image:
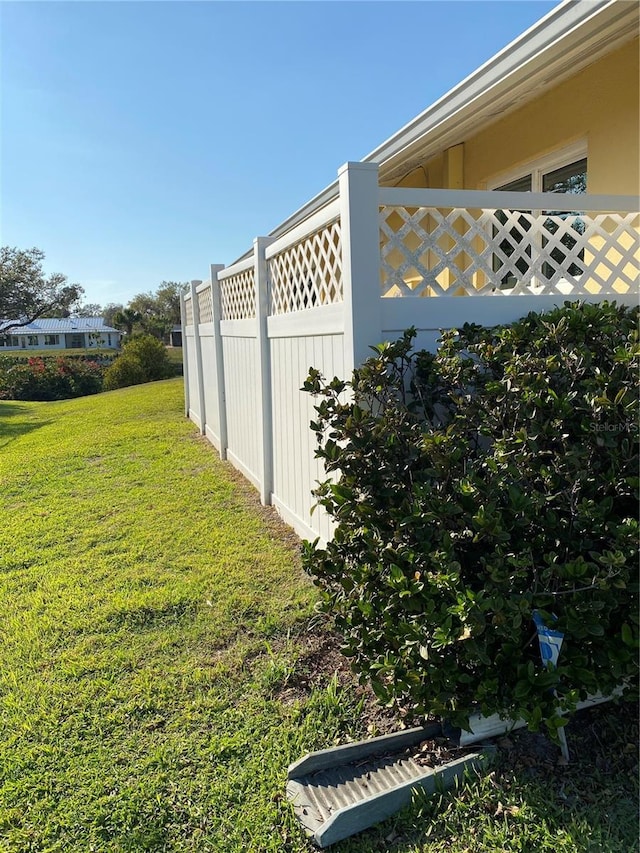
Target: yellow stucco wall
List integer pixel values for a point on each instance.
(600, 105)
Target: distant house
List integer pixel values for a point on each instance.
(62, 333)
(175, 336)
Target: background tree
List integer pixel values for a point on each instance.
(168, 299)
(157, 325)
(126, 320)
(60, 311)
(88, 309)
(146, 307)
(109, 312)
(144, 304)
(26, 293)
(159, 311)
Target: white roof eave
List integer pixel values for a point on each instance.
(525, 49)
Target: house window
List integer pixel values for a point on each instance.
(32, 340)
(9, 341)
(569, 179)
(551, 175)
(508, 247)
(51, 340)
(109, 340)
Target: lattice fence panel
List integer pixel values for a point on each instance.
(459, 251)
(205, 306)
(188, 310)
(308, 273)
(238, 296)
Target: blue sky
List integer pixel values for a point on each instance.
(142, 141)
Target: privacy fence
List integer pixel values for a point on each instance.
(367, 265)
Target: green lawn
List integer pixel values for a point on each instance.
(175, 355)
(151, 615)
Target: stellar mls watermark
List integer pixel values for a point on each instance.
(606, 427)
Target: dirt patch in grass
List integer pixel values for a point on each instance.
(590, 735)
(318, 661)
(529, 755)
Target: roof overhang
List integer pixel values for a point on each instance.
(573, 35)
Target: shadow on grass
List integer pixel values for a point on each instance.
(16, 420)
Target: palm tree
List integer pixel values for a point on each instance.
(126, 320)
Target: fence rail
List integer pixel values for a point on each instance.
(321, 294)
(539, 243)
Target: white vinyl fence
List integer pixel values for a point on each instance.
(366, 266)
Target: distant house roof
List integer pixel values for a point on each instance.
(62, 325)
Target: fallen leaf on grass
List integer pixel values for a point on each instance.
(507, 810)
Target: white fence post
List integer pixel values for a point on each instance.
(359, 224)
(264, 368)
(219, 355)
(185, 356)
(198, 349)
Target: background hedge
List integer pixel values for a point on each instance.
(50, 378)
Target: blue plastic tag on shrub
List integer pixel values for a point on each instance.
(550, 641)
(550, 644)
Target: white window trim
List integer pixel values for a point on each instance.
(540, 166)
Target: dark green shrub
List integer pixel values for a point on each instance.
(152, 355)
(124, 371)
(55, 378)
(473, 487)
(144, 359)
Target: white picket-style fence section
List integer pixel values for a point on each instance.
(369, 264)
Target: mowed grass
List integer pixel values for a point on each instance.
(138, 581)
(151, 613)
(175, 355)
